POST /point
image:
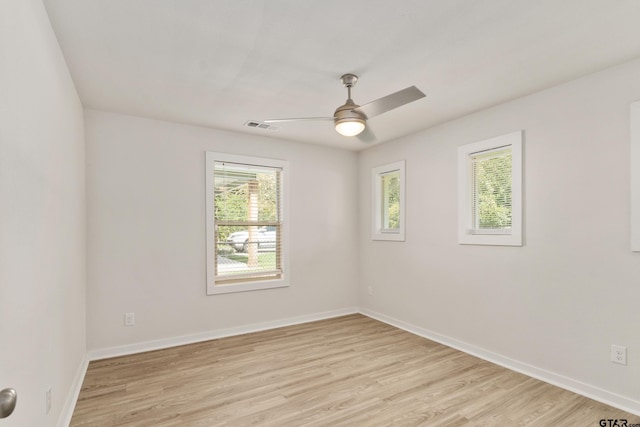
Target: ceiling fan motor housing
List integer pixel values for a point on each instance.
(347, 121)
(346, 112)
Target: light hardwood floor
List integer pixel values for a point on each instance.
(347, 371)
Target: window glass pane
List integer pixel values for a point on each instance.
(390, 200)
(247, 249)
(246, 193)
(491, 192)
(247, 222)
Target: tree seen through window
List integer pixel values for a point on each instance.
(492, 207)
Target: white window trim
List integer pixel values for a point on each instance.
(466, 235)
(635, 175)
(212, 288)
(378, 233)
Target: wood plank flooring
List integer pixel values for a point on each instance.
(347, 371)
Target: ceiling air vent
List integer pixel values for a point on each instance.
(260, 125)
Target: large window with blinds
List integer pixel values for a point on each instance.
(245, 223)
(490, 187)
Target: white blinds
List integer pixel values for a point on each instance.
(491, 191)
(248, 222)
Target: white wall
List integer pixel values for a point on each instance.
(42, 218)
(146, 232)
(572, 290)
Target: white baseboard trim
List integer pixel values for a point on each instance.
(587, 390)
(70, 403)
(124, 350)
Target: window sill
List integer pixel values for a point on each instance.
(397, 236)
(246, 287)
(491, 239)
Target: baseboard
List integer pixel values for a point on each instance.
(587, 390)
(106, 353)
(70, 403)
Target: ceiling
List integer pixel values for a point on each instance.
(220, 63)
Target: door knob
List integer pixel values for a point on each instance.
(8, 398)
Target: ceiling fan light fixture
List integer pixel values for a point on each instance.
(347, 121)
(350, 126)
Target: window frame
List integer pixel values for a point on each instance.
(467, 234)
(634, 151)
(214, 288)
(378, 232)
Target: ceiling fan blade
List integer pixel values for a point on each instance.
(389, 102)
(367, 136)
(298, 119)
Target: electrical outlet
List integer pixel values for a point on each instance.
(48, 400)
(129, 319)
(619, 354)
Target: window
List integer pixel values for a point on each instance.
(245, 223)
(490, 191)
(388, 202)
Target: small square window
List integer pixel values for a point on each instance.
(388, 201)
(490, 191)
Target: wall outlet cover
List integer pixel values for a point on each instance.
(129, 319)
(619, 354)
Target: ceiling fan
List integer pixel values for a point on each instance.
(350, 119)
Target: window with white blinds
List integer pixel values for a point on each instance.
(245, 210)
(490, 191)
